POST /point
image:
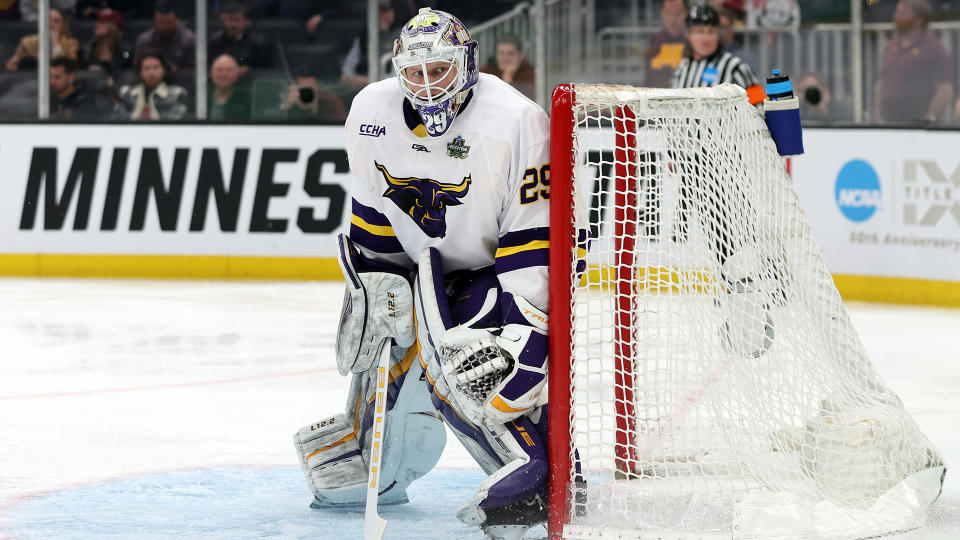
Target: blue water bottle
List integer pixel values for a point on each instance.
(782, 111)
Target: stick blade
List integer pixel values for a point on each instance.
(374, 527)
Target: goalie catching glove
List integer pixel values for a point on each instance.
(490, 375)
(497, 374)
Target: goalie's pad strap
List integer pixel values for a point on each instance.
(376, 306)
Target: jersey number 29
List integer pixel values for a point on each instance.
(532, 180)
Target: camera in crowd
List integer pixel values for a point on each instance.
(307, 94)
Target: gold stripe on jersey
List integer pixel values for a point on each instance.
(378, 230)
(536, 244)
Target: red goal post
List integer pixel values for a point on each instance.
(562, 159)
(563, 244)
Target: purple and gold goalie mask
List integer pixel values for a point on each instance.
(436, 64)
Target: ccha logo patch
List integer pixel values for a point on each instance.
(424, 200)
(857, 190)
(372, 130)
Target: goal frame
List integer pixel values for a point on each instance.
(827, 497)
(562, 159)
(563, 156)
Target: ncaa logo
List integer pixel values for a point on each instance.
(858, 190)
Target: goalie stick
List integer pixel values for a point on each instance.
(375, 526)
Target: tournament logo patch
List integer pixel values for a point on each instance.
(424, 200)
(458, 148)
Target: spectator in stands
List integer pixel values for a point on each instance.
(28, 8)
(69, 99)
(90, 9)
(9, 10)
(229, 98)
(354, 69)
(816, 102)
(916, 80)
(735, 8)
(311, 11)
(728, 39)
(152, 98)
(248, 48)
(176, 42)
(306, 100)
(512, 66)
(108, 51)
(666, 46)
(62, 44)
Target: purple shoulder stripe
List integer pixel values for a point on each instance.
(523, 259)
(524, 236)
(370, 215)
(377, 244)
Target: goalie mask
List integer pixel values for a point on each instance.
(436, 64)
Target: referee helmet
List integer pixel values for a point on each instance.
(702, 16)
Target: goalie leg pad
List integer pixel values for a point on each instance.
(513, 454)
(433, 318)
(331, 459)
(514, 493)
(334, 453)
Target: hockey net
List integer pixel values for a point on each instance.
(706, 381)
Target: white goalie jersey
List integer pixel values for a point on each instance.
(479, 194)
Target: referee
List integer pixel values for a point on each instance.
(710, 194)
(707, 64)
(702, 190)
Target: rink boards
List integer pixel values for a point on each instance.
(265, 202)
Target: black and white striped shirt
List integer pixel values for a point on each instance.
(720, 67)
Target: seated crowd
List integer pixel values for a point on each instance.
(266, 59)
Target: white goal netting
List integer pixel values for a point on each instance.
(718, 388)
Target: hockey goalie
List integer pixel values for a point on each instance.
(446, 257)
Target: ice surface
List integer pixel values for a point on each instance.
(141, 409)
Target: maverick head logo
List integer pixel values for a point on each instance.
(424, 200)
